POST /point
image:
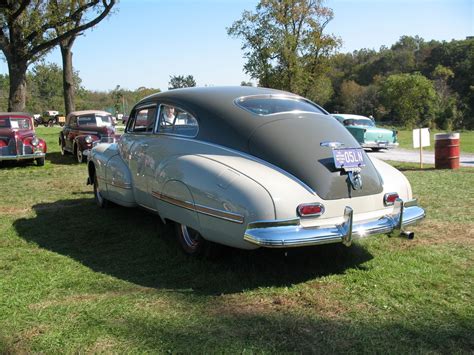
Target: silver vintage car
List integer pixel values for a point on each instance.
(247, 168)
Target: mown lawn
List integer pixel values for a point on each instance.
(405, 138)
(74, 278)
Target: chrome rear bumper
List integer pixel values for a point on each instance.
(380, 145)
(289, 233)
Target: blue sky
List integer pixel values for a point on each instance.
(146, 41)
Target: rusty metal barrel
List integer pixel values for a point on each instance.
(447, 150)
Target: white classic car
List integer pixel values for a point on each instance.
(249, 167)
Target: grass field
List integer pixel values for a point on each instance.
(405, 138)
(74, 278)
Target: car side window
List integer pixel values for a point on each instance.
(143, 120)
(176, 121)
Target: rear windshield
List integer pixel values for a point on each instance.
(271, 105)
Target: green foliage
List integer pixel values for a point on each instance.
(450, 65)
(31, 28)
(45, 88)
(181, 81)
(285, 45)
(4, 91)
(411, 98)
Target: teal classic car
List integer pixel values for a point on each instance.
(366, 133)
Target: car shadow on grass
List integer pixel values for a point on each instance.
(134, 245)
(57, 158)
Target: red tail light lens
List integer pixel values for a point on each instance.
(389, 199)
(310, 210)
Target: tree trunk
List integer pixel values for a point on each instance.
(68, 76)
(17, 72)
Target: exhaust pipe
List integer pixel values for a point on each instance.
(407, 234)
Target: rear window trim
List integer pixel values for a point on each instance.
(238, 100)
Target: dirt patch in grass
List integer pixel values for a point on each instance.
(436, 232)
(19, 343)
(102, 346)
(318, 298)
(14, 211)
(80, 298)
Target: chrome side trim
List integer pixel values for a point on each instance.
(126, 186)
(289, 233)
(225, 215)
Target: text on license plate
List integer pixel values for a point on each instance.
(348, 158)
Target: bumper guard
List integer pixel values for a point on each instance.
(289, 233)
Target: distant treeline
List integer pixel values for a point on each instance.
(411, 79)
(45, 92)
(435, 78)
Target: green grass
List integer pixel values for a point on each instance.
(74, 278)
(405, 138)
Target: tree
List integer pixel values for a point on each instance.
(284, 43)
(181, 81)
(410, 98)
(81, 20)
(28, 31)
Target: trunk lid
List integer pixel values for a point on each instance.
(293, 144)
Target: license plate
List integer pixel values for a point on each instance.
(346, 158)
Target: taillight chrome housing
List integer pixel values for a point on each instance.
(390, 198)
(310, 209)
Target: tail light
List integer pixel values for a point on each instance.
(310, 210)
(3, 143)
(389, 198)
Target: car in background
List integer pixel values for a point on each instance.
(82, 129)
(249, 167)
(18, 140)
(48, 118)
(367, 134)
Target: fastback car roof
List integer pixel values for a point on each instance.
(221, 121)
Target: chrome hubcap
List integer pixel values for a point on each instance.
(190, 236)
(97, 192)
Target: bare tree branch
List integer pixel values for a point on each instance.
(48, 44)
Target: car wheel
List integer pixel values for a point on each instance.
(50, 123)
(99, 200)
(62, 145)
(193, 244)
(79, 155)
(40, 161)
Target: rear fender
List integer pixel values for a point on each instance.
(216, 200)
